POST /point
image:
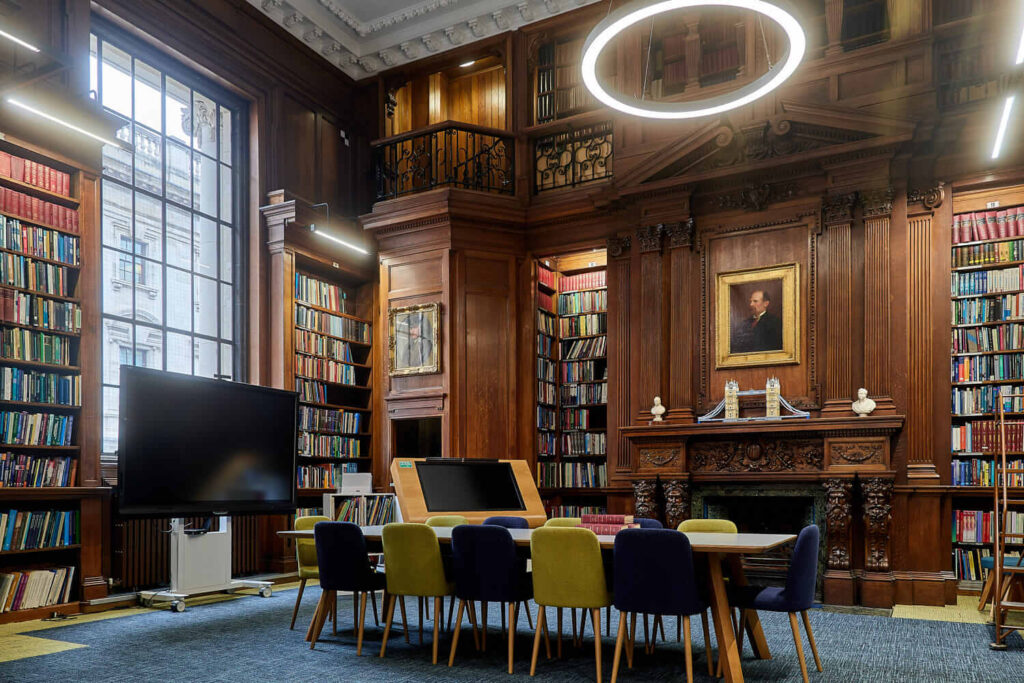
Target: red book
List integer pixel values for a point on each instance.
(1018, 223)
(956, 228)
(606, 519)
(1001, 223)
(5, 164)
(17, 168)
(608, 529)
(990, 225)
(66, 188)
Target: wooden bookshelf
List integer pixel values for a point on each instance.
(557, 82)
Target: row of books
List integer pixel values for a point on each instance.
(35, 173)
(571, 474)
(325, 369)
(1006, 308)
(320, 293)
(989, 252)
(558, 511)
(546, 369)
(584, 394)
(975, 526)
(1000, 366)
(547, 392)
(39, 276)
(577, 418)
(329, 420)
(547, 443)
(584, 371)
(988, 281)
(32, 240)
(325, 476)
(307, 512)
(318, 321)
(546, 302)
(988, 225)
(971, 92)
(20, 470)
(328, 446)
(33, 588)
(981, 472)
(967, 563)
(594, 301)
(1009, 337)
(32, 386)
(380, 510)
(717, 60)
(577, 349)
(30, 309)
(584, 443)
(311, 390)
(985, 399)
(32, 529)
(592, 280)
(545, 346)
(39, 347)
(22, 206)
(982, 436)
(311, 342)
(583, 325)
(546, 323)
(546, 277)
(546, 418)
(35, 429)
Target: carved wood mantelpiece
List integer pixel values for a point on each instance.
(857, 454)
(757, 455)
(838, 521)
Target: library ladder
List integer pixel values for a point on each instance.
(1003, 502)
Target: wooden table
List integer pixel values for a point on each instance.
(716, 548)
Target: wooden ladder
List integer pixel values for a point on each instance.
(1002, 503)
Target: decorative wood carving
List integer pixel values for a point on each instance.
(857, 453)
(930, 198)
(838, 522)
(680, 234)
(644, 500)
(617, 245)
(658, 457)
(789, 455)
(877, 202)
(649, 237)
(677, 501)
(755, 197)
(838, 209)
(877, 494)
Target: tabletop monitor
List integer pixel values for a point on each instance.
(469, 485)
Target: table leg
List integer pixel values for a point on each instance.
(751, 623)
(728, 655)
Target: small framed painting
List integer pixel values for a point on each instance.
(413, 341)
(758, 317)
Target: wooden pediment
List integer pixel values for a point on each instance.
(800, 133)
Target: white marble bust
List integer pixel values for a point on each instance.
(657, 410)
(863, 406)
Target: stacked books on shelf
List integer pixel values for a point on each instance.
(380, 510)
(990, 224)
(574, 510)
(35, 173)
(32, 386)
(307, 512)
(35, 529)
(366, 510)
(35, 429)
(584, 443)
(21, 470)
(981, 472)
(975, 526)
(571, 475)
(983, 436)
(33, 588)
(967, 563)
(322, 476)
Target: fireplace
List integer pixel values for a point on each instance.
(417, 437)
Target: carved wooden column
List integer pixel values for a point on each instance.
(692, 53)
(876, 582)
(837, 284)
(677, 501)
(650, 316)
(619, 343)
(834, 26)
(877, 208)
(682, 335)
(839, 585)
(645, 500)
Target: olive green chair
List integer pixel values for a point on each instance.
(707, 526)
(562, 522)
(412, 556)
(305, 554)
(445, 521)
(568, 572)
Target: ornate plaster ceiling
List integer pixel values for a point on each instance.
(363, 37)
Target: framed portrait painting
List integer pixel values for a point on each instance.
(757, 317)
(413, 340)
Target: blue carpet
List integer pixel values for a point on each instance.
(249, 640)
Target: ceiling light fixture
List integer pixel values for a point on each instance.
(61, 122)
(328, 236)
(624, 17)
(1007, 107)
(469, 63)
(19, 41)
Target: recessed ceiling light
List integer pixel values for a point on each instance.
(469, 63)
(997, 147)
(325, 235)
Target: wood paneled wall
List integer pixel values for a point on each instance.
(478, 98)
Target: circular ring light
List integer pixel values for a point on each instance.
(626, 16)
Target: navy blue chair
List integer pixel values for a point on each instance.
(654, 574)
(648, 523)
(488, 568)
(796, 596)
(508, 522)
(344, 566)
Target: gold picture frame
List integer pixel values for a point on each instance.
(757, 317)
(414, 340)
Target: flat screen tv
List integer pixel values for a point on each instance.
(194, 446)
(456, 486)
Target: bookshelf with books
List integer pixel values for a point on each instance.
(558, 86)
(50, 498)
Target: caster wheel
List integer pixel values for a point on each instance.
(178, 606)
(266, 592)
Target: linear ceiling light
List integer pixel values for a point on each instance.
(1020, 49)
(626, 16)
(62, 122)
(1007, 107)
(19, 41)
(328, 236)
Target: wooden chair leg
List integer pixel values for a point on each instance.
(458, 629)
(647, 637)
(986, 591)
(438, 616)
(799, 644)
(739, 631)
(298, 599)
(529, 619)
(511, 634)
(632, 640)
(472, 620)
(707, 641)
(574, 637)
(687, 649)
(334, 611)
(661, 625)
(595, 621)
(536, 640)
(362, 624)
(373, 601)
(618, 646)
(547, 639)
(502, 620)
(317, 625)
(558, 633)
(810, 637)
(405, 623)
(387, 622)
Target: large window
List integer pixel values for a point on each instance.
(171, 220)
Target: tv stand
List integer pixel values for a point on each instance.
(200, 563)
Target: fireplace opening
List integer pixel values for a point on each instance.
(417, 437)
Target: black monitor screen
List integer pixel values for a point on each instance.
(189, 445)
(457, 486)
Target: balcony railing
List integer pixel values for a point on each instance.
(572, 157)
(447, 154)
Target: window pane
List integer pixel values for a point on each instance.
(226, 256)
(179, 174)
(204, 124)
(149, 226)
(206, 358)
(204, 184)
(225, 193)
(117, 283)
(227, 360)
(179, 353)
(117, 161)
(117, 80)
(110, 408)
(205, 298)
(94, 67)
(149, 348)
(148, 161)
(179, 112)
(225, 135)
(147, 96)
(179, 300)
(205, 241)
(117, 344)
(149, 291)
(117, 213)
(179, 237)
(227, 323)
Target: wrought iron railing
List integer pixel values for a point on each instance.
(445, 154)
(572, 157)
